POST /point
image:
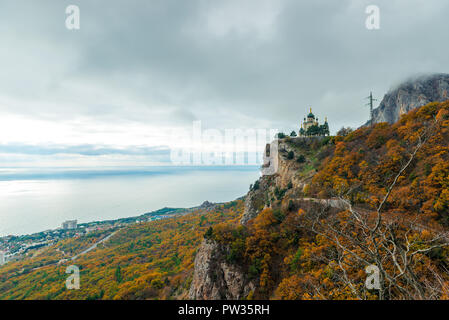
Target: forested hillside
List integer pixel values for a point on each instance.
(152, 260)
(379, 196)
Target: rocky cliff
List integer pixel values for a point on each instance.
(289, 176)
(296, 160)
(410, 95)
(216, 279)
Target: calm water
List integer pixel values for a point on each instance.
(33, 201)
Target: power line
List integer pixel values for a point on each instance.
(371, 105)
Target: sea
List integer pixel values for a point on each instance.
(38, 199)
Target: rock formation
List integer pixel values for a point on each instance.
(410, 95)
(214, 278)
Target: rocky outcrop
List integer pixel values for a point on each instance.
(207, 206)
(286, 174)
(214, 278)
(256, 199)
(410, 95)
(288, 169)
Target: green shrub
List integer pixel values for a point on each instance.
(301, 159)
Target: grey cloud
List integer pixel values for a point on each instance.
(160, 61)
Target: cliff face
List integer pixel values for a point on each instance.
(287, 175)
(410, 95)
(256, 199)
(215, 279)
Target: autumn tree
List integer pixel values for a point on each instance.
(399, 245)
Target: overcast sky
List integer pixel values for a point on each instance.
(114, 90)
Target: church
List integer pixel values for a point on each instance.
(312, 127)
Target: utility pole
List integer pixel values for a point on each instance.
(371, 107)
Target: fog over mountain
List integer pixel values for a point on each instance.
(411, 94)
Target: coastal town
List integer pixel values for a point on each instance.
(17, 247)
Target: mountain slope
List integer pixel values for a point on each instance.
(379, 196)
(151, 260)
(410, 95)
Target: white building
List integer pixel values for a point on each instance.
(69, 224)
(2, 258)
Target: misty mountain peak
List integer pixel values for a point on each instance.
(411, 94)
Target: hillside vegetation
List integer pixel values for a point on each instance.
(391, 187)
(152, 260)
